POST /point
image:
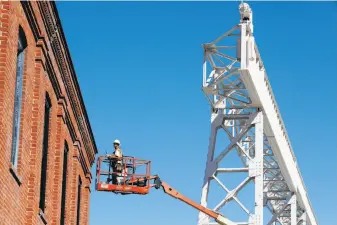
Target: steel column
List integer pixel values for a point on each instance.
(210, 167)
(259, 170)
(293, 209)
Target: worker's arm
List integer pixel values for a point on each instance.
(114, 156)
(174, 193)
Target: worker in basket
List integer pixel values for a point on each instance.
(116, 163)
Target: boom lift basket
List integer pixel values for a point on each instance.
(107, 176)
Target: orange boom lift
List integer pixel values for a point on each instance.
(141, 183)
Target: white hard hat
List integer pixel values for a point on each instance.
(117, 142)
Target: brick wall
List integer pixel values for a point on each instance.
(47, 70)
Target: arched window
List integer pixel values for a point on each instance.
(22, 44)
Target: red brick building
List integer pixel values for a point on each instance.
(47, 147)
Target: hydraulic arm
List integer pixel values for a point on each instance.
(174, 193)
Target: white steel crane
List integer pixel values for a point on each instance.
(243, 105)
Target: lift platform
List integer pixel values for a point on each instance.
(133, 181)
(134, 176)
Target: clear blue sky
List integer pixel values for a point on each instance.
(139, 66)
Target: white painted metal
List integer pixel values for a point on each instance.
(302, 220)
(293, 209)
(243, 106)
(258, 217)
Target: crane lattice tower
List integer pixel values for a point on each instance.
(243, 106)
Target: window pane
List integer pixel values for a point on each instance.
(17, 103)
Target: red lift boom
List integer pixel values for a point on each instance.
(140, 183)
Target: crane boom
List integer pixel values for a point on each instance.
(175, 194)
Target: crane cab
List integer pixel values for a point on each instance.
(126, 175)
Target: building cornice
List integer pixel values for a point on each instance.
(74, 77)
(60, 51)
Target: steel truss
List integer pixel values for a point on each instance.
(243, 119)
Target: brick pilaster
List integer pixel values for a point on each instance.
(74, 183)
(58, 167)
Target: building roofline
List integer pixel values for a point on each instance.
(74, 76)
